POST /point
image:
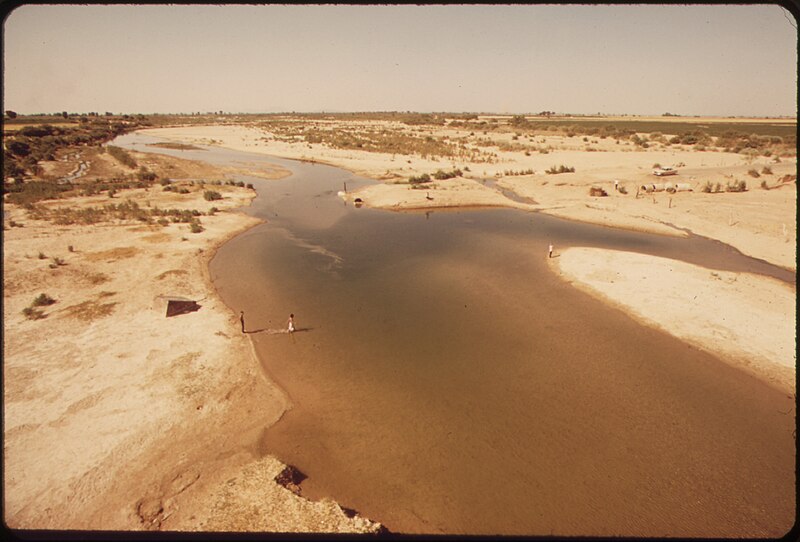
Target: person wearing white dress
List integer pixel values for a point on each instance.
(291, 323)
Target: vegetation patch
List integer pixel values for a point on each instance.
(511, 172)
(43, 300)
(443, 175)
(90, 310)
(33, 314)
(560, 169)
(736, 186)
(597, 191)
(424, 178)
(122, 156)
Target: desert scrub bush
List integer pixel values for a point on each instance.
(754, 173)
(42, 256)
(145, 174)
(511, 172)
(43, 300)
(195, 226)
(211, 195)
(35, 191)
(710, 188)
(766, 170)
(764, 185)
(424, 178)
(736, 186)
(597, 191)
(250, 186)
(32, 314)
(442, 175)
(560, 169)
(122, 156)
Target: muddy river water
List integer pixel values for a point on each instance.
(444, 380)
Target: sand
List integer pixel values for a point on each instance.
(748, 320)
(759, 222)
(119, 418)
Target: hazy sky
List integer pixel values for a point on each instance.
(690, 60)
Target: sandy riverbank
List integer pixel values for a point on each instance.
(748, 320)
(119, 418)
(759, 222)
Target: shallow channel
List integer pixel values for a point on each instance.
(444, 380)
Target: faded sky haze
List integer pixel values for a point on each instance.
(737, 60)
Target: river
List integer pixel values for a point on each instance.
(444, 380)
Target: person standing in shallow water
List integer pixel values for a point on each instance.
(550, 251)
(241, 319)
(291, 323)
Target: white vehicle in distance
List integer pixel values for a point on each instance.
(666, 170)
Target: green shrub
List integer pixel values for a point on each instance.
(766, 171)
(195, 226)
(753, 173)
(211, 195)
